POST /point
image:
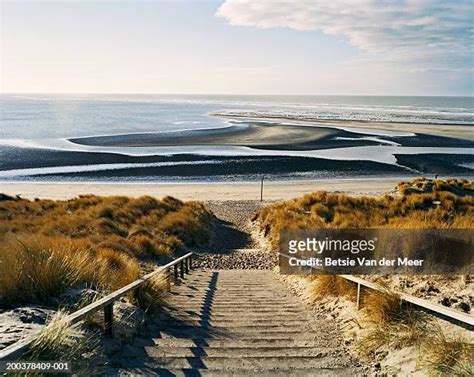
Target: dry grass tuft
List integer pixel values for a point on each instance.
(332, 286)
(444, 356)
(384, 307)
(392, 335)
(118, 269)
(394, 325)
(150, 295)
(392, 322)
(61, 341)
(191, 225)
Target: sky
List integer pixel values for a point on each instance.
(353, 47)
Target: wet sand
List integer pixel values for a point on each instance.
(296, 135)
(204, 191)
(255, 134)
(447, 130)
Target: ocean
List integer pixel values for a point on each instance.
(35, 132)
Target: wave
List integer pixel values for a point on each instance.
(187, 122)
(416, 118)
(437, 110)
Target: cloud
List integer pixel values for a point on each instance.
(428, 33)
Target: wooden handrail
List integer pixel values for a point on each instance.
(183, 263)
(454, 316)
(464, 319)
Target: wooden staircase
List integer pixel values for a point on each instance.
(235, 322)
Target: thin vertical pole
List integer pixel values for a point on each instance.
(358, 296)
(168, 279)
(261, 189)
(181, 265)
(175, 268)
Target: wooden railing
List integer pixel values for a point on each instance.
(459, 318)
(453, 316)
(179, 267)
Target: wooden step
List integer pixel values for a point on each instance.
(237, 352)
(244, 363)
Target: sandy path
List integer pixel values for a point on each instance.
(233, 246)
(233, 225)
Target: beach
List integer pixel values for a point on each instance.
(145, 140)
(201, 191)
(295, 135)
(235, 187)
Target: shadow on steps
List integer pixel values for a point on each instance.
(170, 324)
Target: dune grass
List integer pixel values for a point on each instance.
(37, 269)
(50, 246)
(138, 226)
(330, 286)
(61, 341)
(389, 322)
(423, 185)
(449, 355)
(450, 206)
(150, 295)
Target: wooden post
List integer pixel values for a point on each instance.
(181, 268)
(190, 266)
(108, 319)
(358, 296)
(186, 268)
(168, 279)
(261, 189)
(175, 267)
